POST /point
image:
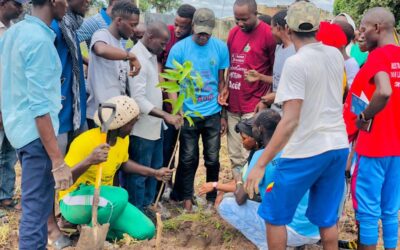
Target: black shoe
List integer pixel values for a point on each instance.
(348, 244)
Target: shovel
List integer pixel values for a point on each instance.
(93, 238)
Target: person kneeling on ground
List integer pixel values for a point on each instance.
(243, 127)
(241, 213)
(85, 153)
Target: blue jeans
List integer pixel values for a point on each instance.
(8, 158)
(142, 189)
(37, 199)
(209, 129)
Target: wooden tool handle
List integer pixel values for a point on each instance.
(96, 195)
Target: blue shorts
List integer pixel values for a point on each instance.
(323, 174)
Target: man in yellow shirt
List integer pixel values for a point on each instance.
(85, 153)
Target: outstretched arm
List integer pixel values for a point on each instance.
(283, 132)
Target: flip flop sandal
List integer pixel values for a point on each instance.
(12, 205)
(62, 242)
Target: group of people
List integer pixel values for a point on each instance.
(290, 95)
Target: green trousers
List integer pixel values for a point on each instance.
(114, 208)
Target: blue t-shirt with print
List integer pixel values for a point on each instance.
(207, 61)
(300, 222)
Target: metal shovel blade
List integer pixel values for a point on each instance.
(93, 238)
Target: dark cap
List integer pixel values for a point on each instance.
(203, 21)
(303, 16)
(245, 126)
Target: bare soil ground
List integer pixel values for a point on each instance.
(201, 230)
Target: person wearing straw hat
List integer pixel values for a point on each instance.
(31, 101)
(311, 135)
(85, 153)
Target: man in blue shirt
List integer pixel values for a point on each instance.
(72, 116)
(31, 71)
(9, 10)
(210, 57)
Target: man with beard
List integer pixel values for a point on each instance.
(109, 68)
(31, 94)
(251, 48)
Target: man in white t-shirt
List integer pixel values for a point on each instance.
(110, 64)
(311, 133)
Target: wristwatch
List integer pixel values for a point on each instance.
(362, 117)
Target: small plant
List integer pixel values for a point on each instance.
(182, 81)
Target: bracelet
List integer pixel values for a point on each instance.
(239, 183)
(127, 56)
(59, 167)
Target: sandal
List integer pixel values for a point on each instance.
(62, 242)
(10, 204)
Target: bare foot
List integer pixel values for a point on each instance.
(188, 205)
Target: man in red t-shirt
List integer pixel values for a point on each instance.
(376, 178)
(182, 28)
(251, 47)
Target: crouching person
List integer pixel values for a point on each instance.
(85, 154)
(241, 212)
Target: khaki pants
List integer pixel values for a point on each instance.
(237, 154)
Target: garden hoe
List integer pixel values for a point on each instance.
(93, 237)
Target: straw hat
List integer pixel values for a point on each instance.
(126, 110)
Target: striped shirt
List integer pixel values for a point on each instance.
(89, 27)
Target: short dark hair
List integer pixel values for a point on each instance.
(310, 34)
(186, 11)
(265, 18)
(39, 2)
(347, 29)
(124, 8)
(279, 19)
(250, 3)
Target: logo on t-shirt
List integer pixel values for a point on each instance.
(247, 48)
(213, 62)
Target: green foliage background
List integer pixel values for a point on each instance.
(161, 6)
(356, 8)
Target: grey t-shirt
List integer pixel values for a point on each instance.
(106, 78)
(281, 54)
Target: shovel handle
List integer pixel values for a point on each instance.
(103, 139)
(96, 196)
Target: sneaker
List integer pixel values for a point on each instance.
(348, 244)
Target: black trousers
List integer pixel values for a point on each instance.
(209, 130)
